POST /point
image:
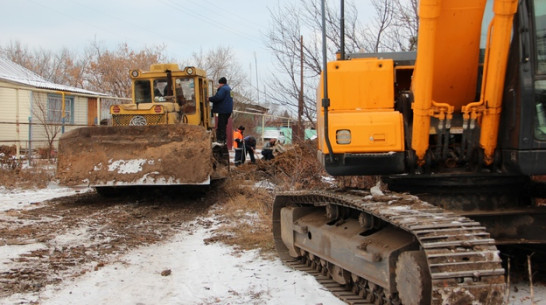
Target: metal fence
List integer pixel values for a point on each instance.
(26, 124)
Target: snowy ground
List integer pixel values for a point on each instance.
(182, 270)
(198, 273)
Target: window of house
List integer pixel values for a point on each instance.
(55, 106)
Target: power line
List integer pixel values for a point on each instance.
(196, 12)
(116, 30)
(125, 21)
(240, 18)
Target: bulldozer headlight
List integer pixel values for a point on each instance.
(158, 109)
(343, 136)
(190, 70)
(135, 73)
(116, 109)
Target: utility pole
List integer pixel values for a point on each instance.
(257, 82)
(301, 128)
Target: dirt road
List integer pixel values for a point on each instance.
(77, 234)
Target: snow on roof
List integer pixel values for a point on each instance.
(12, 72)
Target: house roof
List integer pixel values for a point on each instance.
(14, 73)
(246, 104)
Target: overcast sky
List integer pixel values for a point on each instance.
(183, 26)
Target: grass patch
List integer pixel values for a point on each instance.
(26, 178)
(245, 211)
(245, 217)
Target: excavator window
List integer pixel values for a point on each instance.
(143, 93)
(540, 83)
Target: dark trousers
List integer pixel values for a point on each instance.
(239, 156)
(268, 154)
(221, 135)
(250, 151)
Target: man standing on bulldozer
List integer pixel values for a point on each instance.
(222, 103)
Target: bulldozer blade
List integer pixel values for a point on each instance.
(176, 154)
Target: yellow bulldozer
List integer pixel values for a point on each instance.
(164, 137)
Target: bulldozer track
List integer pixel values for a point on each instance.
(461, 256)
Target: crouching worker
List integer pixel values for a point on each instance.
(267, 150)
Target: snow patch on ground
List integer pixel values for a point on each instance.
(376, 190)
(26, 199)
(9, 252)
(200, 273)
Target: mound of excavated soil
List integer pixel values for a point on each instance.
(297, 168)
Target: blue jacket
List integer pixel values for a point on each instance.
(222, 102)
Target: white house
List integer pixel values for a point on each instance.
(31, 108)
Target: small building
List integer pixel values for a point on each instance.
(35, 112)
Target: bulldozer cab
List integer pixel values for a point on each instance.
(166, 94)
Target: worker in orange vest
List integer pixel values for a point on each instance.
(239, 146)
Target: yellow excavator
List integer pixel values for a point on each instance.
(162, 138)
(456, 133)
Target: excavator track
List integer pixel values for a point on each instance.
(347, 296)
(463, 263)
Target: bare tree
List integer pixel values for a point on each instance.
(384, 19)
(221, 62)
(289, 23)
(408, 22)
(49, 121)
(394, 28)
(63, 67)
(108, 70)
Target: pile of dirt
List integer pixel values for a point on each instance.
(299, 169)
(37, 176)
(295, 169)
(7, 152)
